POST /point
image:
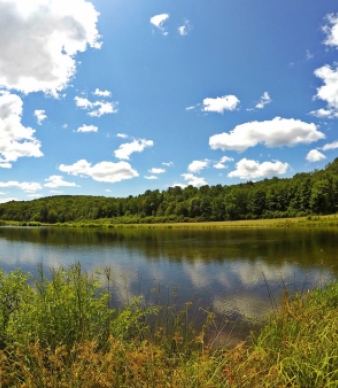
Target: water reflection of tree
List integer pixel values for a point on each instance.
(303, 247)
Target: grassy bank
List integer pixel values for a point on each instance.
(309, 221)
(61, 331)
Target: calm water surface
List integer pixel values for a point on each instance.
(236, 271)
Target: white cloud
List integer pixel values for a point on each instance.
(190, 107)
(220, 104)
(315, 156)
(309, 55)
(181, 185)
(34, 195)
(98, 108)
(8, 199)
(194, 180)
(87, 128)
(184, 29)
(331, 30)
(158, 21)
(122, 135)
(330, 146)
(157, 170)
(220, 165)
(104, 108)
(328, 92)
(39, 40)
(58, 181)
(16, 141)
(126, 149)
(272, 133)
(265, 99)
(5, 165)
(168, 164)
(101, 172)
(226, 159)
(150, 177)
(197, 166)
(321, 113)
(40, 115)
(250, 169)
(29, 187)
(83, 103)
(102, 93)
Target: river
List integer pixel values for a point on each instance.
(238, 272)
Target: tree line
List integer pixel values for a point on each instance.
(314, 192)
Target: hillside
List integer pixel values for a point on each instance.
(315, 192)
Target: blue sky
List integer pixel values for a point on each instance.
(116, 97)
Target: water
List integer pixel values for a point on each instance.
(239, 272)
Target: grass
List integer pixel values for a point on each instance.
(60, 331)
(323, 221)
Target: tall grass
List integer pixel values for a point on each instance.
(60, 330)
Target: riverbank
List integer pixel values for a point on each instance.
(309, 221)
(60, 330)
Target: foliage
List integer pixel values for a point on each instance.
(306, 193)
(59, 331)
(297, 348)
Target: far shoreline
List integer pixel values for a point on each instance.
(323, 221)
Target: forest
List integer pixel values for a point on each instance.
(304, 194)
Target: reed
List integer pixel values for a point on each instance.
(59, 330)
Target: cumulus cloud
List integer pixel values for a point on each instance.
(97, 108)
(28, 187)
(181, 185)
(39, 40)
(157, 170)
(194, 180)
(197, 166)
(250, 169)
(330, 146)
(220, 164)
(87, 128)
(126, 149)
(122, 135)
(102, 172)
(328, 92)
(265, 99)
(102, 93)
(16, 141)
(57, 181)
(158, 21)
(40, 115)
(151, 177)
(272, 133)
(315, 156)
(185, 28)
(331, 30)
(220, 104)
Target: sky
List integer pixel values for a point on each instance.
(118, 97)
